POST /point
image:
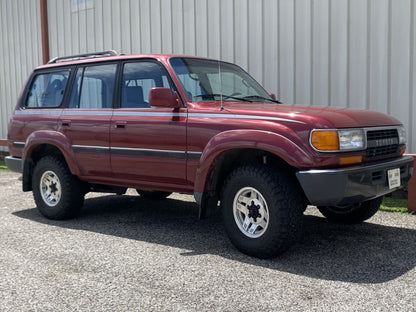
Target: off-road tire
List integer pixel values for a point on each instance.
(279, 192)
(153, 195)
(68, 203)
(352, 214)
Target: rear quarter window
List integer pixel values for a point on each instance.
(47, 89)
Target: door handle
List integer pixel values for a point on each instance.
(66, 123)
(120, 124)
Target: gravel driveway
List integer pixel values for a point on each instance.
(127, 254)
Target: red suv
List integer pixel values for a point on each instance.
(168, 123)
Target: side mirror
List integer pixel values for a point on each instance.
(273, 96)
(163, 97)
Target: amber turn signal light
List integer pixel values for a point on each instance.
(325, 140)
(350, 160)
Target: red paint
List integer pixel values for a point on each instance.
(205, 129)
(411, 195)
(154, 133)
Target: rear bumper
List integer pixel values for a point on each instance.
(337, 187)
(14, 164)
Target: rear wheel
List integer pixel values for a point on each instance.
(153, 194)
(352, 214)
(58, 194)
(262, 210)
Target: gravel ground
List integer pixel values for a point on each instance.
(127, 254)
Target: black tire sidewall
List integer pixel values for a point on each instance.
(285, 219)
(72, 197)
(353, 214)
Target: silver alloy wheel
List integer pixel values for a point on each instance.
(251, 213)
(50, 188)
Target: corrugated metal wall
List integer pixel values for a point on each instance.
(347, 53)
(20, 52)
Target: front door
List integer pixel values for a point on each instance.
(147, 144)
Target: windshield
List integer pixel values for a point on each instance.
(210, 80)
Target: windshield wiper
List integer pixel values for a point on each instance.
(211, 95)
(261, 98)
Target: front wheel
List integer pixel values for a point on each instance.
(352, 214)
(58, 194)
(262, 210)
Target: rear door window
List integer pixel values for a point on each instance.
(93, 87)
(47, 90)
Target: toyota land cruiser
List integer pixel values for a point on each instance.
(169, 123)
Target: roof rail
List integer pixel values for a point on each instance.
(83, 56)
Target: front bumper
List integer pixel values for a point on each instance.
(339, 187)
(14, 164)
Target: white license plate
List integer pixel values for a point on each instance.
(394, 178)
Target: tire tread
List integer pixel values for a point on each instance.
(284, 204)
(72, 194)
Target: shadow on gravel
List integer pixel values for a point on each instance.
(365, 253)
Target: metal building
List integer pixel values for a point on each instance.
(346, 53)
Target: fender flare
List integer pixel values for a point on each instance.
(223, 142)
(56, 139)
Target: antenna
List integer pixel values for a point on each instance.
(219, 73)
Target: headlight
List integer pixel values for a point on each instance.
(338, 140)
(402, 135)
(352, 139)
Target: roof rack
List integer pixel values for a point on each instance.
(83, 56)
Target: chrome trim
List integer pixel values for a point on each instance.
(19, 144)
(150, 114)
(39, 111)
(118, 112)
(81, 112)
(338, 150)
(236, 116)
(365, 129)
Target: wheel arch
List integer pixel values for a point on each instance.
(43, 143)
(232, 149)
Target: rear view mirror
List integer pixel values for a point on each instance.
(163, 97)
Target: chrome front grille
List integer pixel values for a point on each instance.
(382, 143)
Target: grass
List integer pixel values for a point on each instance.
(2, 164)
(398, 205)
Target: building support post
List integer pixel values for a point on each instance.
(44, 30)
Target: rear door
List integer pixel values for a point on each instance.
(147, 143)
(86, 121)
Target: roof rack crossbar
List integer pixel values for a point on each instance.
(84, 55)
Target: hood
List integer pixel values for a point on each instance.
(317, 117)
